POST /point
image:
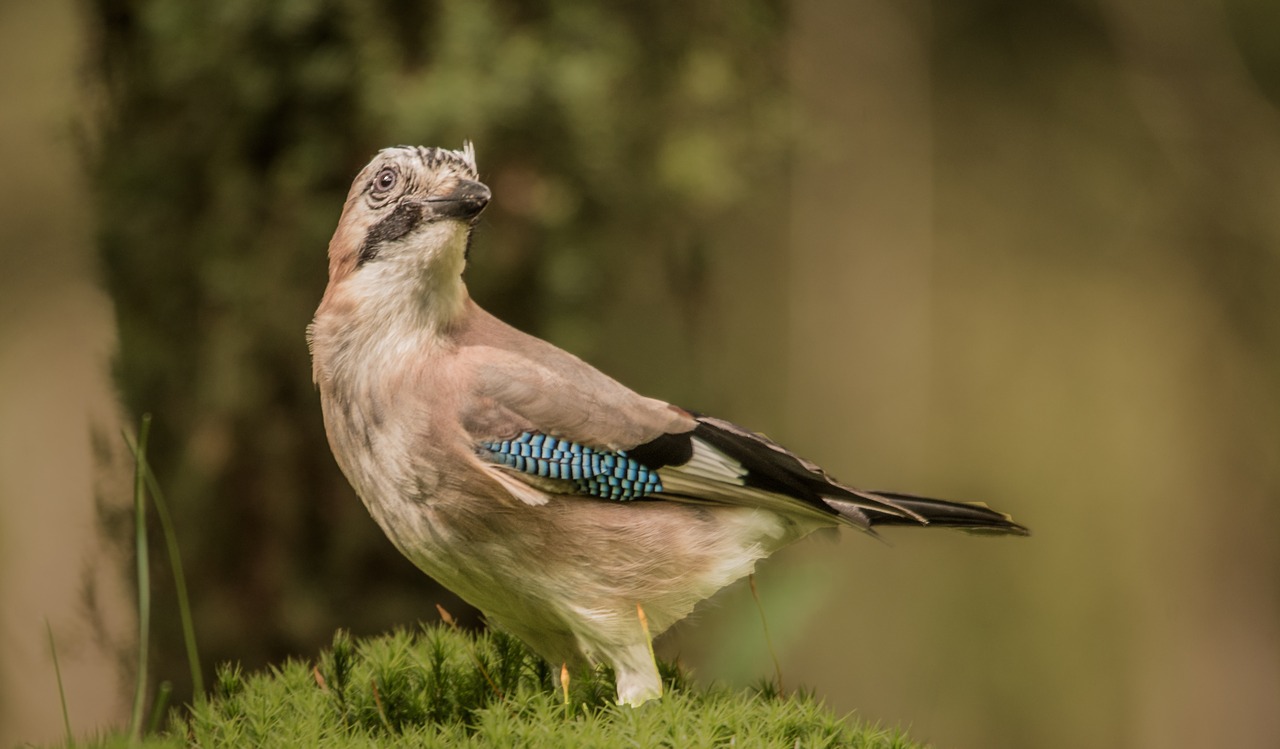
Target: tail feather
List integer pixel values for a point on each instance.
(971, 517)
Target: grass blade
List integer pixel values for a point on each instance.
(768, 640)
(62, 693)
(179, 581)
(159, 707)
(144, 576)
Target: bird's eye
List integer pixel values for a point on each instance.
(385, 180)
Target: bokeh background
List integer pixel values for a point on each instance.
(1025, 253)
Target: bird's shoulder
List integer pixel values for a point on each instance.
(513, 382)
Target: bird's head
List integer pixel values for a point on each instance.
(408, 217)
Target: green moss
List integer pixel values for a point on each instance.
(443, 688)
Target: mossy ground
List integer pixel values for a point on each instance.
(442, 688)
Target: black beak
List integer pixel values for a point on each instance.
(464, 202)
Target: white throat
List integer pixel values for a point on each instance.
(413, 292)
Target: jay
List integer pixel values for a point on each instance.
(576, 514)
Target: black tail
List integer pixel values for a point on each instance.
(969, 517)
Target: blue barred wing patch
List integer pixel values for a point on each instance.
(600, 473)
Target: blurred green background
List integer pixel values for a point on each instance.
(1026, 253)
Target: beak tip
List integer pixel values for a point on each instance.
(465, 201)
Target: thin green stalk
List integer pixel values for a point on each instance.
(179, 576)
(768, 640)
(179, 581)
(62, 693)
(144, 576)
(163, 692)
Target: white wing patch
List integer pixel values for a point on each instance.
(713, 477)
(711, 464)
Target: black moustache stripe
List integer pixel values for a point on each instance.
(401, 221)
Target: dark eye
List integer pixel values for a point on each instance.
(385, 180)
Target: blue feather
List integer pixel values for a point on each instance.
(599, 473)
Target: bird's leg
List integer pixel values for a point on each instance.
(637, 668)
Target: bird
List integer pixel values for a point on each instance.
(577, 515)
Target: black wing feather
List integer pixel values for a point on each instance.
(769, 467)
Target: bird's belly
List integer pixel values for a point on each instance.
(567, 577)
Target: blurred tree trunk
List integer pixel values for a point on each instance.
(860, 239)
(1081, 329)
(61, 455)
